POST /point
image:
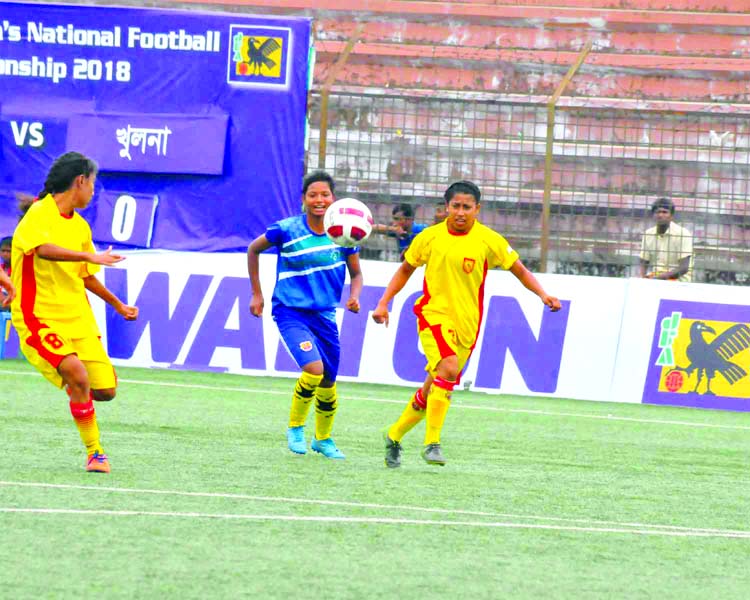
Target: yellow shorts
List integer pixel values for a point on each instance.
(439, 342)
(46, 349)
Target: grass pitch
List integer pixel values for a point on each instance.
(541, 498)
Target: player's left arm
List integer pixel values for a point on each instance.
(530, 282)
(96, 287)
(355, 289)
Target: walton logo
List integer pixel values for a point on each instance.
(710, 352)
(700, 356)
(258, 55)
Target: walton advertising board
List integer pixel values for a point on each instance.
(622, 340)
(194, 314)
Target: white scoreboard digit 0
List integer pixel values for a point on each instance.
(124, 218)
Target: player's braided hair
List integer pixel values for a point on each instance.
(462, 187)
(64, 170)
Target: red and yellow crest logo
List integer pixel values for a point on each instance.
(469, 265)
(306, 346)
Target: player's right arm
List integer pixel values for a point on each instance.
(258, 245)
(416, 255)
(58, 253)
(395, 285)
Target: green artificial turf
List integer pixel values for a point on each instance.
(541, 498)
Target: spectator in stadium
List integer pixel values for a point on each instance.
(5, 245)
(8, 292)
(440, 213)
(24, 204)
(402, 228)
(666, 248)
(54, 262)
(5, 298)
(457, 254)
(309, 282)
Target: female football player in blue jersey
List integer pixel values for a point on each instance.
(310, 276)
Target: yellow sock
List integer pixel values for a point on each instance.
(437, 407)
(326, 405)
(301, 398)
(413, 414)
(84, 416)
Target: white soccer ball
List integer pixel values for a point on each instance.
(348, 222)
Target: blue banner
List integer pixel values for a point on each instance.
(196, 119)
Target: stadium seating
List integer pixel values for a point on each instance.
(435, 91)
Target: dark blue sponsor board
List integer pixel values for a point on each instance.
(204, 110)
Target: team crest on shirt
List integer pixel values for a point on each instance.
(469, 265)
(305, 346)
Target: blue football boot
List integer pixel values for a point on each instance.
(295, 437)
(327, 448)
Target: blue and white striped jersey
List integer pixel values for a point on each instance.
(311, 269)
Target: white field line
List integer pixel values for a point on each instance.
(455, 405)
(347, 504)
(372, 521)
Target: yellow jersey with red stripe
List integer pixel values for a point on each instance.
(454, 277)
(46, 289)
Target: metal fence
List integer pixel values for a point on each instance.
(608, 166)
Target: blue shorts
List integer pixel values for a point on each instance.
(310, 335)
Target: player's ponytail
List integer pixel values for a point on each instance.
(64, 171)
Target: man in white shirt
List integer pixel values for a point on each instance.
(667, 248)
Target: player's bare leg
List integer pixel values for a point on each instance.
(73, 373)
(104, 395)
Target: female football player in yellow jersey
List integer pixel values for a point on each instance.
(53, 264)
(457, 253)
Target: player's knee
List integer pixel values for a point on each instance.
(448, 369)
(104, 395)
(77, 381)
(314, 368)
(73, 372)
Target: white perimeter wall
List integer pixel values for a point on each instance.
(598, 350)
